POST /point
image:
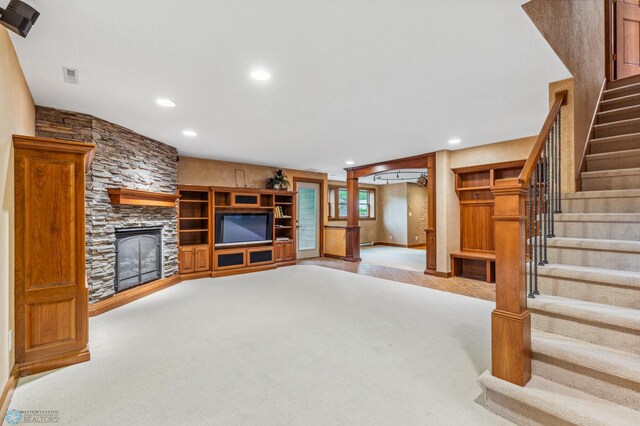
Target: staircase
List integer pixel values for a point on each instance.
(585, 323)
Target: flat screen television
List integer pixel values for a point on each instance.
(234, 229)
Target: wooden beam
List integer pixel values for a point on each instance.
(415, 162)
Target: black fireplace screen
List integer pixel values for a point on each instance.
(138, 256)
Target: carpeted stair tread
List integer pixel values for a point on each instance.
(611, 173)
(595, 244)
(571, 405)
(597, 217)
(612, 193)
(599, 358)
(632, 99)
(587, 311)
(589, 274)
(613, 154)
(621, 88)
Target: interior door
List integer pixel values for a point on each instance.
(627, 38)
(308, 238)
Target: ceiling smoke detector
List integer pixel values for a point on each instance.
(71, 75)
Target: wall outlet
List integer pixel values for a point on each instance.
(391, 237)
(10, 345)
(416, 238)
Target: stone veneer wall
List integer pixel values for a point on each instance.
(122, 159)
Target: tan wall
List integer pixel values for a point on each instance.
(335, 240)
(448, 207)
(368, 228)
(393, 226)
(575, 31)
(516, 149)
(199, 171)
(17, 116)
(416, 207)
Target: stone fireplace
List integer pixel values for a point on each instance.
(123, 159)
(138, 256)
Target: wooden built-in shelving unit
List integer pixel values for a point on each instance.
(199, 256)
(476, 258)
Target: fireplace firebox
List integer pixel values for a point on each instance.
(138, 256)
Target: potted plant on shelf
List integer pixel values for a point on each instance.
(279, 181)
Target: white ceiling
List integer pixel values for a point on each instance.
(360, 80)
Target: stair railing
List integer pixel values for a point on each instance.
(524, 221)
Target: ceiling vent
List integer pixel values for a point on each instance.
(71, 75)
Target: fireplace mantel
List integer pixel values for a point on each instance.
(137, 197)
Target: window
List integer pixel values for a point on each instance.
(338, 203)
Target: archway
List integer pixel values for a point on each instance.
(427, 161)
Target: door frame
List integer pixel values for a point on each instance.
(321, 217)
(609, 39)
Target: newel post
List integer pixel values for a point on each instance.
(510, 320)
(353, 228)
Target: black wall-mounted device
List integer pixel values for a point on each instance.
(19, 17)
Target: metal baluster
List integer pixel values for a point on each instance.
(547, 200)
(540, 213)
(535, 228)
(530, 220)
(552, 185)
(559, 210)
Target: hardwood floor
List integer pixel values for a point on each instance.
(457, 285)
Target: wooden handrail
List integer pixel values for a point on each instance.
(536, 151)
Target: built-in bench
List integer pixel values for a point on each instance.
(475, 265)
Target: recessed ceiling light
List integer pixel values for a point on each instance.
(349, 163)
(165, 102)
(260, 75)
(189, 133)
(454, 141)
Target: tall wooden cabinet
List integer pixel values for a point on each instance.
(51, 296)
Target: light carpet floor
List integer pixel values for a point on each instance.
(395, 257)
(302, 345)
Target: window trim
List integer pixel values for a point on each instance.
(336, 198)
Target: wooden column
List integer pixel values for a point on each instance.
(510, 321)
(431, 216)
(353, 216)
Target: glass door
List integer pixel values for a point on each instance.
(308, 220)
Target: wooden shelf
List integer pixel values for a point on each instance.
(283, 204)
(192, 230)
(474, 188)
(194, 201)
(136, 197)
(242, 208)
(194, 218)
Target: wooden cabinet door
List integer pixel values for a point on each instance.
(51, 296)
(279, 252)
(476, 227)
(201, 255)
(187, 260)
(627, 38)
(288, 251)
(240, 199)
